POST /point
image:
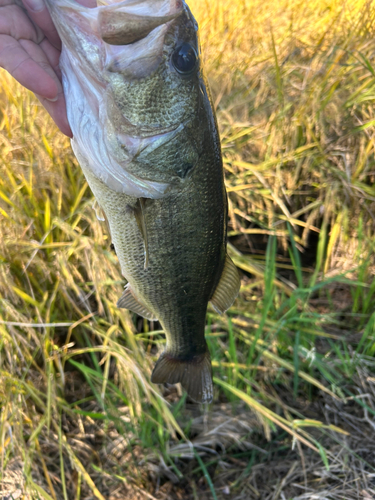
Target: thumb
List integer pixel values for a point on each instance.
(39, 14)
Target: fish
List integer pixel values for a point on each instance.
(146, 137)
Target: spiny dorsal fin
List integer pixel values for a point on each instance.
(194, 375)
(129, 301)
(228, 287)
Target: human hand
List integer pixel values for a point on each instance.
(30, 49)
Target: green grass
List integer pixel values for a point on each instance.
(293, 359)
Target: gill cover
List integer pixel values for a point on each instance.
(117, 37)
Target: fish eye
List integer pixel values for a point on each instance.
(184, 59)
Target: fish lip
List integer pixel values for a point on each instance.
(82, 43)
(123, 24)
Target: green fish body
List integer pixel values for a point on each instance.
(146, 138)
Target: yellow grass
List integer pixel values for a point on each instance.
(293, 84)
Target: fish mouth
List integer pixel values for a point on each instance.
(127, 36)
(126, 22)
(100, 77)
(119, 22)
(133, 32)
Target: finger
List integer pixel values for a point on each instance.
(57, 110)
(16, 60)
(38, 12)
(53, 56)
(15, 22)
(38, 55)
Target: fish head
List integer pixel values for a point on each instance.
(133, 82)
(153, 79)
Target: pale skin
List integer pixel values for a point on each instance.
(30, 49)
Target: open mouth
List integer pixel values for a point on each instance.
(128, 35)
(123, 22)
(127, 22)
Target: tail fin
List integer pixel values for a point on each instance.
(195, 375)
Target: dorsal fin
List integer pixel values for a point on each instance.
(129, 301)
(228, 287)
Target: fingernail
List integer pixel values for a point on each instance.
(35, 5)
(54, 99)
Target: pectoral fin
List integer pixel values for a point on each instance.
(101, 216)
(228, 287)
(140, 218)
(129, 301)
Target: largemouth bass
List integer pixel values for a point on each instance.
(146, 138)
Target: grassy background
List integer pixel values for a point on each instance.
(293, 359)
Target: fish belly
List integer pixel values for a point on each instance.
(185, 254)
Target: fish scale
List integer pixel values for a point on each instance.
(185, 263)
(146, 138)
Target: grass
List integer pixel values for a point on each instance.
(293, 359)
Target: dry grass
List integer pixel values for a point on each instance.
(293, 415)
(294, 84)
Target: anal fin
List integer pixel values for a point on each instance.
(129, 301)
(195, 375)
(228, 287)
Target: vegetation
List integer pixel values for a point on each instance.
(293, 359)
